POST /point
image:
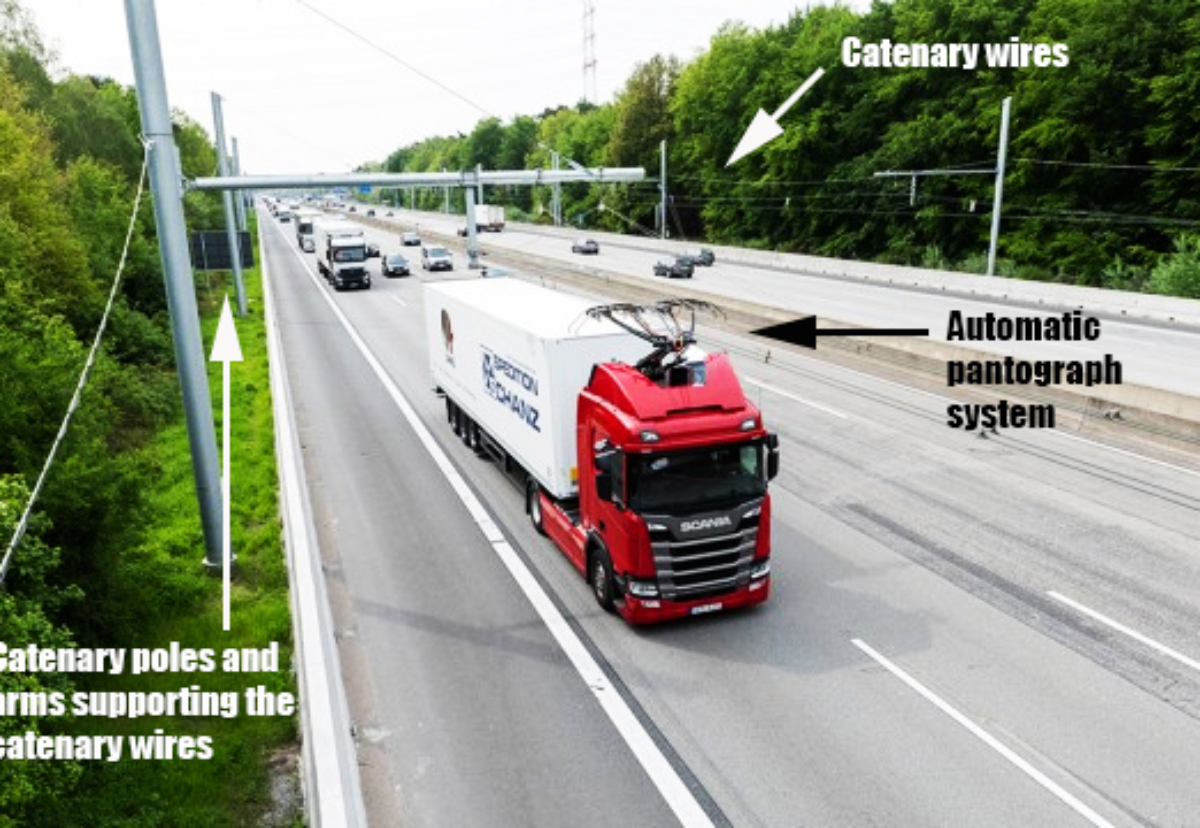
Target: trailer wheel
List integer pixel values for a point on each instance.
(457, 424)
(467, 425)
(533, 505)
(450, 411)
(600, 574)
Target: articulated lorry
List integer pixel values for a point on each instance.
(306, 217)
(489, 218)
(341, 253)
(640, 455)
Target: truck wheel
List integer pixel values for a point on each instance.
(465, 434)
(450, 411)
(533, 505)
(456, 423)
(600, 569)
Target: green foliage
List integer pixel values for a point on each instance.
(1178, 274)
(24, 602)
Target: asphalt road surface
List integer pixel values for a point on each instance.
(963, 631)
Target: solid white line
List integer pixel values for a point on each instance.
(987, 738)
(399, 301)
(673, 789)
(1134, 455)
(793, 397)
(1129, 631)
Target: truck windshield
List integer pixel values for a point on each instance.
(697, 479)
(349, 254)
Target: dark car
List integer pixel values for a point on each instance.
(586, 246)
(705, 257)
(410, 239)
(394, 264)
(372, 250)
(370, 214)
(680, 267)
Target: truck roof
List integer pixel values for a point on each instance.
(542, 313)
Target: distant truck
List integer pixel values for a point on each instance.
(640, 455)
(488, 219)
(306, 217)
(341, 253)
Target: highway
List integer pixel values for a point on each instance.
(963, 631)
(1156, 356)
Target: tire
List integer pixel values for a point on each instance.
(533, 505)
(465, 434)
(450, 411)
(456, 421)
(600, 575)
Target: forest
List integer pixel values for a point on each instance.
(1103, 165)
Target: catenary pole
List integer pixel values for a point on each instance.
(240, 202)
(1004, 112)
(235, 251)
(662, 187)
(165, 183)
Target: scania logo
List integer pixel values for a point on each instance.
(705, 523)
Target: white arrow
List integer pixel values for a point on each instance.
(226, 350)
(765, 128)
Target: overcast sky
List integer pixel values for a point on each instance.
(306, 89)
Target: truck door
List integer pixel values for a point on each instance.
(606, 516)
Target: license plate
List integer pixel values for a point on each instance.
(703, 608)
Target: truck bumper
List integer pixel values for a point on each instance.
(652, 610)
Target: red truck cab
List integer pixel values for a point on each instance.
(673, 513)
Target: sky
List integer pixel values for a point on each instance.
(314, 86)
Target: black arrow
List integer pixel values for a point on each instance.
(804, 332)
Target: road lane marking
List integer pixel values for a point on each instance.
(780, 392)
(1135, 456)
(664, 777)
(399, 301)
(988, 739)
(1129, 631)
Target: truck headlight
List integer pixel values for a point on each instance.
(643, 589)
(761, 569)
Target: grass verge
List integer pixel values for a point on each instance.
(184, 604)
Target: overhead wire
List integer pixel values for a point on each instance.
(23, 523)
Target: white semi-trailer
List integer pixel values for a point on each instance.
(306, 217)
(341, 253)
(513, 357)
(489, 218)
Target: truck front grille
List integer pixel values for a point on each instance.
(691, 569)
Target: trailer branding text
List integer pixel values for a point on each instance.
(499, 378)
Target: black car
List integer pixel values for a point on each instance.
(586, 246)
(680, 267)
(394, 264)
(370, 214)
(705, 257)
(372, 250)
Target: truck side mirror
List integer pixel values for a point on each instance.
(772, 456)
